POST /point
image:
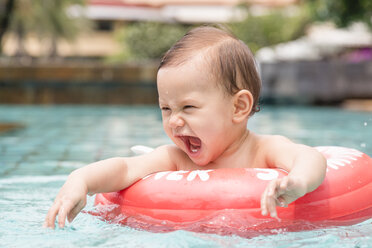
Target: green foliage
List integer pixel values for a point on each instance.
(275, 27)
(6, 11)
(150, 40)
(343, 12)
(53, 19)
(47, 19)
(147, 40)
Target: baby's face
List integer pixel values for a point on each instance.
(197, 115)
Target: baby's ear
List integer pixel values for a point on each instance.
(243, 102)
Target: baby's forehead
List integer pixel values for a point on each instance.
(202, 63)
(198, 62)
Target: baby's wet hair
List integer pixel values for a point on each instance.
(229, 59)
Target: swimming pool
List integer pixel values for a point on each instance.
(36, 159)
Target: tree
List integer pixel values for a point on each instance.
(272, 28)
(54, 22)
(47, 19)
(6, 10)
(147, 40)
(343, 12)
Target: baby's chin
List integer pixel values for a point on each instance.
(201, 162)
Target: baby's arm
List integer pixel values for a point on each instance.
(306, 167)
(107, 175)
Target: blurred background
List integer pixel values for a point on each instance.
(107, 51)
(78, 85)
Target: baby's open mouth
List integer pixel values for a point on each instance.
(192, 143)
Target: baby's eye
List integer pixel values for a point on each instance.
(188, 107)
(165, 108)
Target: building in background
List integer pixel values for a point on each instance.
(326, 66)
(108, 15)
(194, 11)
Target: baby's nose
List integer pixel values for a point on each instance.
(176, 121)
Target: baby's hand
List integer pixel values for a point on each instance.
(70, 200)
(281, 192)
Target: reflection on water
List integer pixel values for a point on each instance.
(35, 161)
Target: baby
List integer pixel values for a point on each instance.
(208, 88)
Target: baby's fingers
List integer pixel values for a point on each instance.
(271, 198)
(271, 205)
(51, 215)
(62, 213)
(263, 203)
(282, 202)
(268, 197)
(64, 210)
(284, 184)
(75, 211)
(264, 209)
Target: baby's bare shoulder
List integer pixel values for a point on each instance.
(274, 140)
(281, 143)
(171, 150)
(270, 147)
(178, 157)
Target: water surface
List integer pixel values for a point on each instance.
(36, 159)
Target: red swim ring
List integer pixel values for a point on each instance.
(227, 201)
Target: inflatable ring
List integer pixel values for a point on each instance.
(227, 201)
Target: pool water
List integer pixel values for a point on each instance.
(36, 159)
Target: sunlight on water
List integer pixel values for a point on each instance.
(35, 162)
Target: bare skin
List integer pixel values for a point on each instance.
(209, 130)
